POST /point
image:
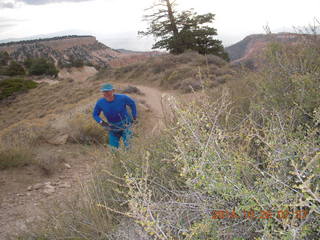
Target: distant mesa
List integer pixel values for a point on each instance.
(251, 47)
(73, 50)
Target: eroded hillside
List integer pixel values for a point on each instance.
(70, 50)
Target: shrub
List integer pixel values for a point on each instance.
(17, 146)
(4, 58)
(14, 69)
(41, 66)
(10, 86)
(83, 129)
(16, 156)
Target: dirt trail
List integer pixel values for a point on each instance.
(154, 99)
(20, 203)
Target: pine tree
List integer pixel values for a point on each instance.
(182, 31)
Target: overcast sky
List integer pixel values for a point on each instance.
(116, 22)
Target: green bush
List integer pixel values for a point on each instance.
(41, 66)
(4, 58)
(14, 85)
(14, 69)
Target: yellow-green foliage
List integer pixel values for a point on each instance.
(261, 157)
(11, 86)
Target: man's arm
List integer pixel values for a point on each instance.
(132, 104)
(96, 112)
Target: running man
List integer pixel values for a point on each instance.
(114, 109)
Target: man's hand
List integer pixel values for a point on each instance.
(104, 124)
(134, 121)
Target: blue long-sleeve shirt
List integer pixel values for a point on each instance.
(115, 111)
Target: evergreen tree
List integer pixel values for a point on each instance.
(179, 32)
(15, 69)
(4, 58)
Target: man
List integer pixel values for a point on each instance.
(114, 109)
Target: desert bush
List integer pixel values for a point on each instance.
(48, 162)
(10, 86)
(261, 171)
(293, 80)
(83, 129)
(41, 66)
(16, 156)
(18, 146)
(4, 58)
(14, 69)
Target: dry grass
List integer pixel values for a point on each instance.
(84, 130)
(45, 101)
(16, 157)
(173, 71)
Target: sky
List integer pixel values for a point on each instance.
(116, 22)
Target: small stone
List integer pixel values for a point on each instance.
(67, 165)
(37, 186)
(49, 190)
(20, 194)
(29, 188)
(59, 140)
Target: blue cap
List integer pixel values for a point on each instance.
(106, 87)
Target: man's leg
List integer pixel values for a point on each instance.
(126, 136)
(113, 140)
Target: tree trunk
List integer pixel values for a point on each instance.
(172, 19)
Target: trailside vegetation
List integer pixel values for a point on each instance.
(41, 66)
(10, 86)
(230, 164)
(31, 66)
(181, 31)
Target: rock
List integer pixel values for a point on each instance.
(59, 140)
(49, 190)
(29, 188)
(55, 184)
(146, 108)
(132, 89)
(47, 183)
(37, 186)
(67, 165)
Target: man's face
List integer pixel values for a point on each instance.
(108, 94)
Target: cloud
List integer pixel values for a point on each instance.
(7, 5)
(15, 3)
(41, 2)
(6, 23)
